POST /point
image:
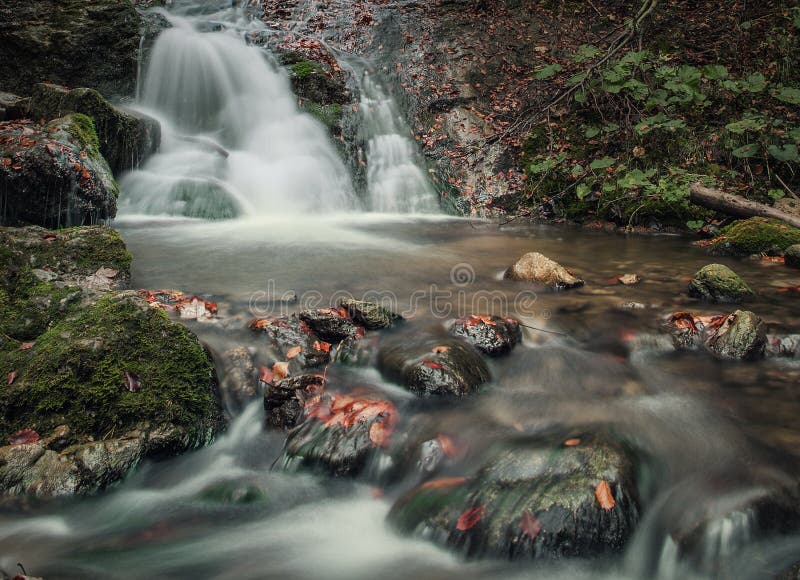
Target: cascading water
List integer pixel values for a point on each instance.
(396, 182)
(234, 140)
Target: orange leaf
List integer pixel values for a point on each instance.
(26, 345)
(280, 370)
(24, 436)
(431, 364)
(265, 375)
(443, 482)
(603, 494)
(322, 346)
(441, 349)
(470, 518)
(449, 447)
(530, 525)
(293, 352)
(572, 442)
(12, 376)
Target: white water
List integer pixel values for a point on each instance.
(395, 179)
(214, 94)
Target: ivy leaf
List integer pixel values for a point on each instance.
(546, 71)
(602, 163)
(786, 152)
(740, 127)
(746, 151)
(789, 95)
(582, 191)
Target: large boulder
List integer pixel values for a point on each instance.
(433, 367)
(84, 43)
(331, 324)
(718, 283)
(545, 500)
(125, 136)
(54, 175)
(740, 335)
(97, 379)
(535, 267)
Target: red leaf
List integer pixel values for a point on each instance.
(603, 494)
(440, 349)
(265, 375)
(530, 525)
(572, 442)
(322, 346)
(431, 364)
(132, 382)
(12, 376)
(443, 482)
(469, 518)
(293, 352)
(24, 436)
(26, 345)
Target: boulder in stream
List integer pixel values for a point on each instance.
(529, 500)
(98, 380)
(535, 267)
(331, 324)
(740, 335)
(429, 367)
(492, 335)
(54, 175)
(125, 136)
(718, 283)
(291, 336)
(370, 315)
(284, 400)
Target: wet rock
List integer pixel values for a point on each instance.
(783, 346)
(492, 335)
(125, 136)
(285, 399)
(286, 333)
(13, 107)
(534, 267)
(792, 256)
(54, 175)
(110, 365)
(755, 236)
(238, 385)
(741, 336)
(330, 324)
(311, 82)
(434, 368)
(530, 501)
(355, 351)
(341, 434)
(629, 279)
(370, 315)
(718, 283)
(79, 43)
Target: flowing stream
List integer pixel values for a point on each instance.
(717, 434)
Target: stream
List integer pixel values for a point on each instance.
(299, 234)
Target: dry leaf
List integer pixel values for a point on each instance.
(469, 518)
(280, 370)
(530, 525)
(23, 436)
(572, 442)
(12, 376)
(603, 494)
(293, 352)
(26, 345)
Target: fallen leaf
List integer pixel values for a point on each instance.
(572, 442)
(12, 376)
(441, 349)
(449, 447)
(603, 494)
(132, 382)
(469, 518)
(280, 370)
(322, 346)
(293, 352)
(23, 436)
(530, 525)
(443, 482)
(629, 279)
(194, 310)
(431, 364)
(26, 345)
(265, 375)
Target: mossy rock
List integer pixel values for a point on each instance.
(328, 115)
(311, 83)
(756, 235)
(304, 68)
(54, 175)
(43, 274)
(530, 500)
(124, 137)
(75, 375)
(718, 283)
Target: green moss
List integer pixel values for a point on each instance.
(718, 283)
(82, 127)
(328, 115)
(305, 68)
(755, 236)
(75, 374)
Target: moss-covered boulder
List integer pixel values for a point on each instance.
(535, 267)
(44, 274)
(718, 283)
(125, 137)
(742, 336)
(79, 43)
(755, 236)
(530, 500)
(792, 256)
(54, 175)
(311, 82)
(115, 372)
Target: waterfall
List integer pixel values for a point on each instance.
(396, 182)
(234, 141)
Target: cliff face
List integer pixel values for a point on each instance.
(78, 43)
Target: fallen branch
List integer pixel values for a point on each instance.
(738, 206)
